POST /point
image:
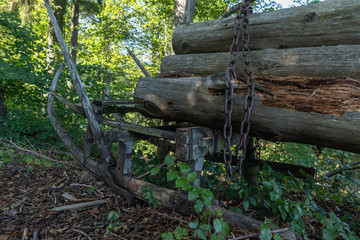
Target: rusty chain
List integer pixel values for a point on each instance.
(241, 23)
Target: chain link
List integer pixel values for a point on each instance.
(241, 23)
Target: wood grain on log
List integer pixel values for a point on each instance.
(200, 100)
(327, 23)
(331, 61)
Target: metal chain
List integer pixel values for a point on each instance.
(241, 23)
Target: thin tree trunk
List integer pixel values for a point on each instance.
(59, 11)
(184, 12)
(74, 29)
(3, 108)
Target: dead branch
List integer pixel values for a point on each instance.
(78, 205)
(81, 232)
(231, 10)
(339, 170)
(145, 72)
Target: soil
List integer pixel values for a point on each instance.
(28, 196)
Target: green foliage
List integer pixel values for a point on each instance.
(91, 190)
(202, 197)
(150, 197)
(114, 224)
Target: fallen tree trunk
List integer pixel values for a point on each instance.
(323, 112)
(333, 61)
(327, 23)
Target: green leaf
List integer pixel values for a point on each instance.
(171, 175)
(277, 237)
(169, 160)
(193, 195)
(180, 232)
(199, 233)
(220, 226)
(329, 233)
(154, 171)
(192, 176)
(205, 227)
(246, 204)
(267, 184)
(184, 168)
(273, 196)
(181, 182)
(199, 205)
(265, 233)
(194, 225)
(167, 236)
(113, 216)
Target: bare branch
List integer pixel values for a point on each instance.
(351, 167)
(145, 72)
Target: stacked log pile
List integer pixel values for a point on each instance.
(307, 66)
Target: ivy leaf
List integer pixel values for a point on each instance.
(266, 233)
(329, 233)
(167, 236)
(199, 205)
(267, 184)
(180, 232)
(192, 176)
(199, 233)
(246, 204)
(277, 237)
(194, 225)
(171, 175)
(169, 160)
(273, 196)
(193, 195)
(181, 182)
(154, 171)
(220, 226)
(184, 168)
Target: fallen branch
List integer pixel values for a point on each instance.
(79, 231)
(11, 144)
(351, 167)
(246, 236)
(78, 205)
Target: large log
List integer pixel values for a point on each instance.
(331, 61)
(327, 23)
(323, 112)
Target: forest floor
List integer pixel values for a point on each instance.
(28, 196)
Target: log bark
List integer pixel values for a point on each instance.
(331, 61)
(326, 23)
(200, 100)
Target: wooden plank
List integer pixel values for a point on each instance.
(327, 23)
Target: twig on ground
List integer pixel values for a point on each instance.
(246, 236)
(252, 235)
(78, 205)
(117, 236)
(36, 234)
(11, 144)
(79, 231)
(171, 217)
